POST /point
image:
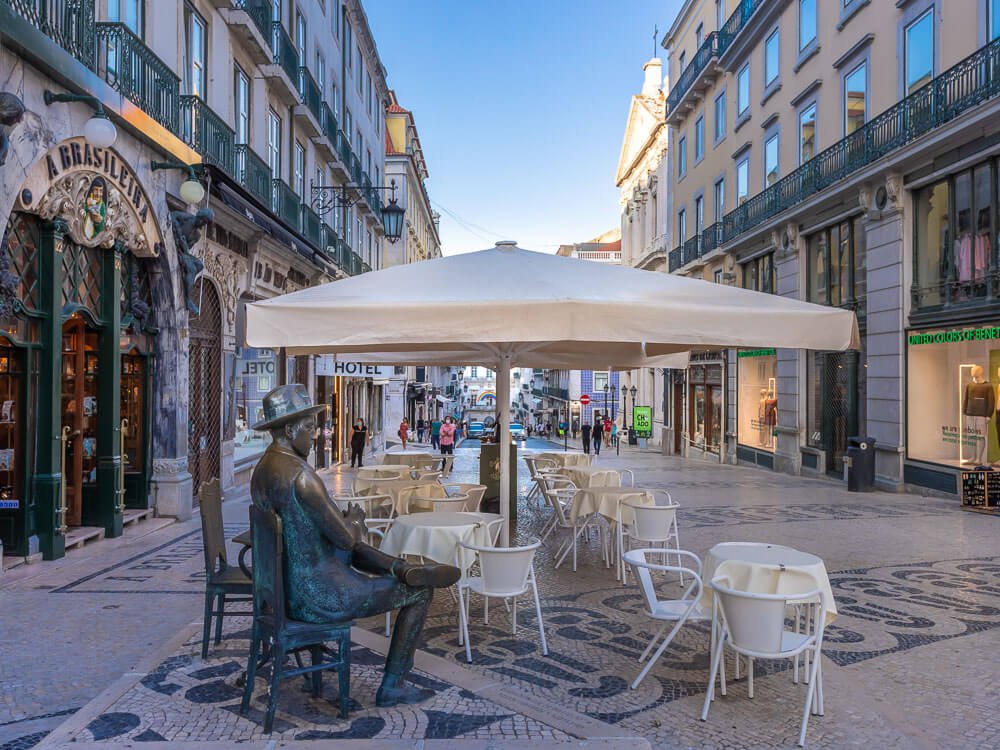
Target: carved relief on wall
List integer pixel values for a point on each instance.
(228, 271)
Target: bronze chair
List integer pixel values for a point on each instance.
(222, 582)
(283, 636)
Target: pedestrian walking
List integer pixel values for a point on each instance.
(597, 436)
(607, 431)
(585, 433)
(447, 437)
(576, 427)
(404, 432)
(359, 439)
(435, 433)
(614, 435)
(421, 428)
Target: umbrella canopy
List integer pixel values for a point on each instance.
(506, 305)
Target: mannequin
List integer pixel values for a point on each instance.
(979, 404)
(761, 416)
(770, 416)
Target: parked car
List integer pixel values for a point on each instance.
(476, 429)
(517, 431)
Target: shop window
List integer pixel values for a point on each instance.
(758, 274)
(836, 393)
(705, 403)
(836, 258)
(953, 231)
(256, 374)
(757, 400)
(952, 398)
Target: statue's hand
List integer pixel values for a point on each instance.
(433, 575)
(354, 517)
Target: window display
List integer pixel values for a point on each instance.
(256, 374)
(705, 418)
(952, 399)
(757, 400)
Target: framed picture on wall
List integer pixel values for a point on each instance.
(7, 411)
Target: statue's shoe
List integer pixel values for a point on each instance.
(435, 576)
(401, 693)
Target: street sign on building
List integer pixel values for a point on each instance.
(584, 399)
(642, 421)
(328, 365)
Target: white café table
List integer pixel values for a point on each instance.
(400, 490)
(413, 459)
(759, 570)
(567, 458)
(436, 536)
(591, 476)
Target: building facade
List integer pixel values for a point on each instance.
(125, 385)
(839, 153)
(644, 196)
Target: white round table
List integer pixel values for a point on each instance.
(436, 536)
(591, 476)
(760, 570)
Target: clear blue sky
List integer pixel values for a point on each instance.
(520, 107)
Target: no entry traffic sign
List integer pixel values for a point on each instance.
(584, 399)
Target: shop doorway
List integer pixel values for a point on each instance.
(843, 395)
(705, 404)
(205, 387)
(79, 416)
(678, 418)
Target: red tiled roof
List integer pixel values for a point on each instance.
(395, 109)
(615, 246)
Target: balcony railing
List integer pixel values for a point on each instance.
(312, 97)
(131, 68)
(207, 133)
(311, 225)
(552, 392)
(691, 249)
(328, 241)
(602, 256)
(285, 53)
(708, 50)
(737, 22)
(260, 13)
(331, 128)
(674, 259)
(253, 174)
(69, 23)
(285, 203)
(972, 81)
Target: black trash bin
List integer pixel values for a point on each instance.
(633, 436)
(860, 464)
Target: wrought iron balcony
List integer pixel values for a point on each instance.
(285, 54)
(207, 133)
(328, 241)
(260, 12)
(960, 88)
(691, 76)
(691, 249)
(330, 131)
(549, 391)
(737, 22)
(285, 203)
(131, 68)
(311, 225)
(253, 173)
(310, 94)
(674, 259)
(69, 23)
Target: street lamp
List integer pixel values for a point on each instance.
(325, 198)
(607, 390)
(192, 191)
(99, 131)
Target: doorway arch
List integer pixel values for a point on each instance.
(205, 386)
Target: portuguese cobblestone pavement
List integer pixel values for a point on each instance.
(911, 661)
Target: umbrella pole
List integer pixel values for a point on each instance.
(503, 415)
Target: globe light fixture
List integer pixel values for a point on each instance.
(99, 131)
(191, 191)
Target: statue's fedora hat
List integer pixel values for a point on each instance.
(286, 403)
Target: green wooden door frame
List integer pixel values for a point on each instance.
(137, 482)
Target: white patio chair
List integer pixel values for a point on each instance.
(754, 625)
(426, 475)
(649, 525)
(379, 510)
(505, 573)
(578, 524)
(631, 477)
(447, 463)
(458, 502)
(677, 611)
(558, 492)
(476, 492)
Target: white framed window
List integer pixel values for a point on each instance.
(771, 160)
(300, 38)
(131, 13)
(361, 69)
(196, 44)
(771, 58)
(720, 117)
(699, 36)
(274, 143)
(682, 226)
(720, 199)
(321, 74)
(358, 228)
(807, 23)
(720, 14)
(918, 45)
(241, 105)
(682, 61)
(601, 379)
(335, 17)
(807, 133)
(699, 214)
(299, 178)
(348, 45)
(682, 165)
(699, 139)
(994, 20)
(743, 89)
(742, 180)
(856, 98)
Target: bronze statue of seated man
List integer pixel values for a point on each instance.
(331, 575)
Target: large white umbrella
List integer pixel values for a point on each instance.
(508, 306)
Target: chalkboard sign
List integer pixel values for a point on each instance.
(981, 489)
